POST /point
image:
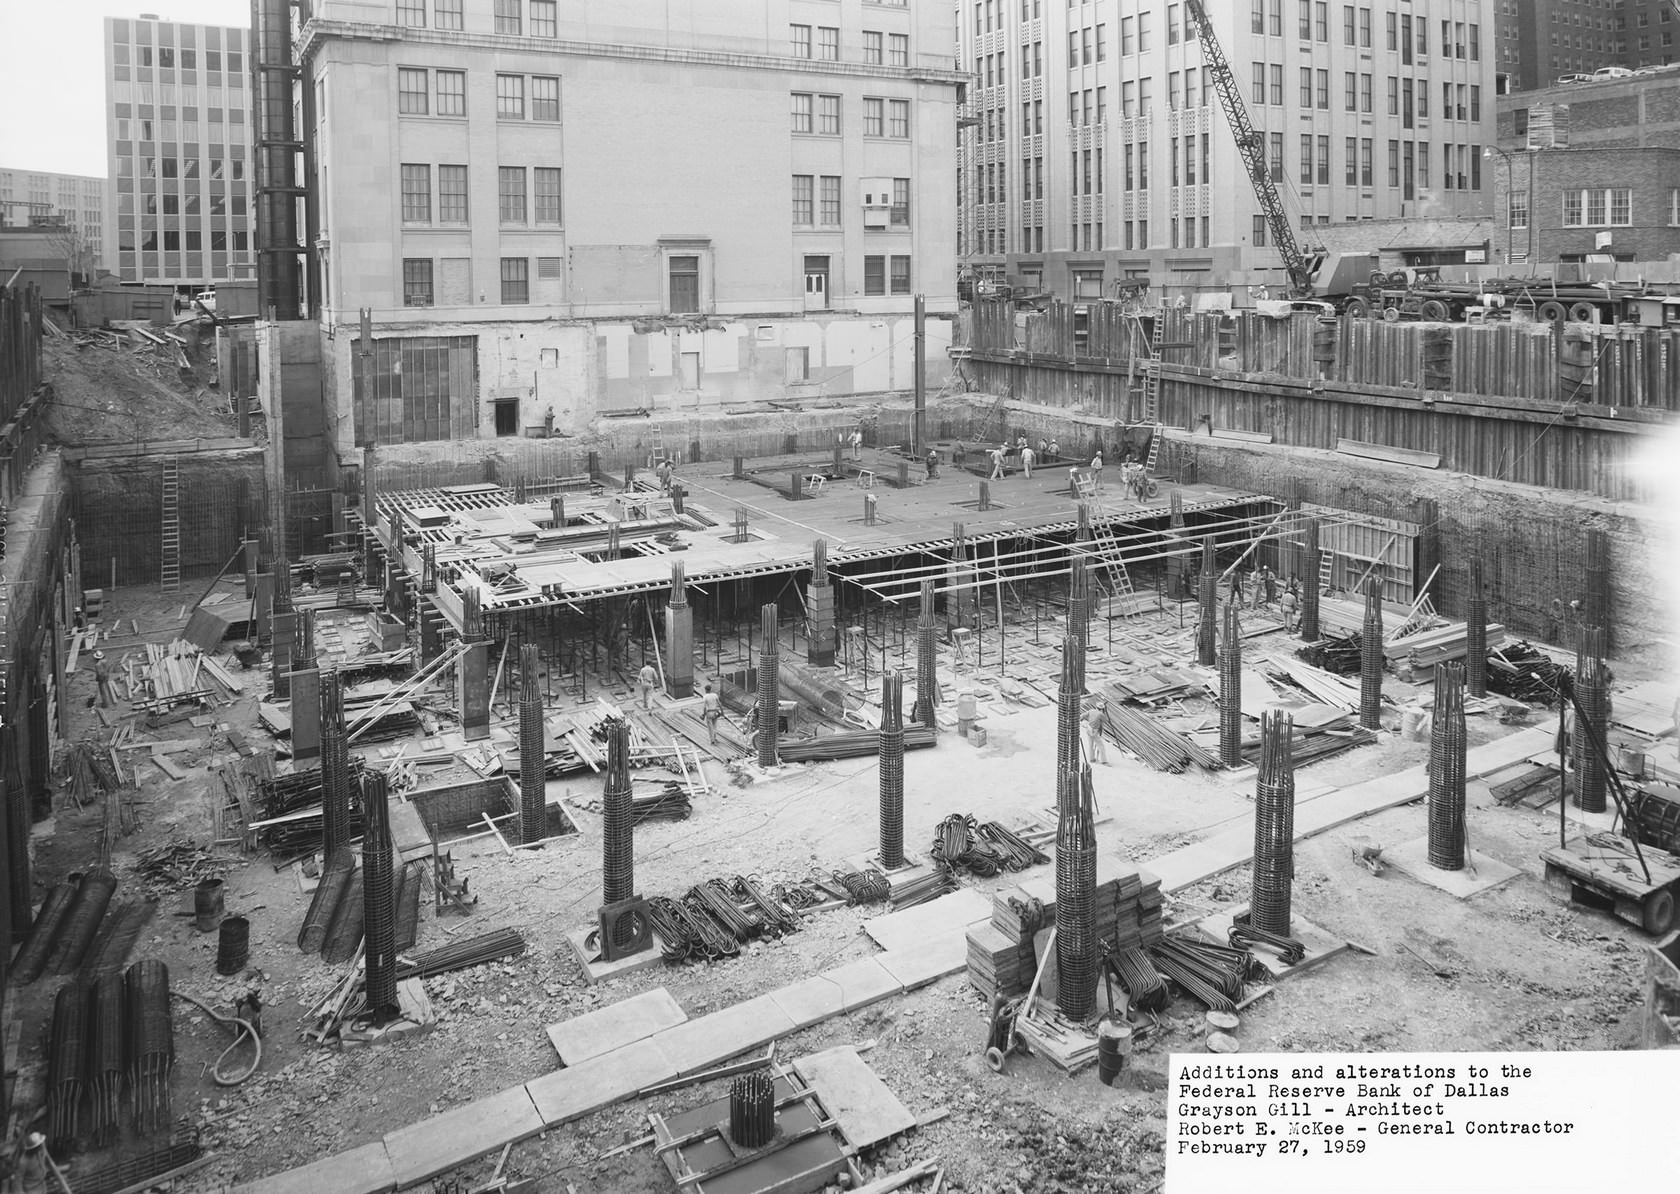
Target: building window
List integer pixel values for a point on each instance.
(901, 201)
(446, 14)
(898, 117)
(545, 97)
(510, 194)
(685, 285)
(545, 186)
(803, 199)
(799, 37)
(828, 115)
(452, 194)
(830, 200)
(416, 194)
(872, 52)
(516, 280)
(412, 13)
(874, 275)
(900, 274)
(1519, 209)
(507, 17)
(1277, 157)
(801, 112)
(411, 91)
(510, 97)
(545, 20)
(417, 281)
(1260, 229)
(1306, 159)
(1674, 206)
(828, 43)
(451, 93)
(874, 124)
(898, 49)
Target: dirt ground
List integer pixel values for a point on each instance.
(1511, 969)
(104, 394)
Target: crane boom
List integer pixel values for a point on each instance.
(1252, 146)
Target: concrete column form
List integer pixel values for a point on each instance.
(679, 638)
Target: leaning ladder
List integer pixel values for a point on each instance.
(1152, 392)
(1118, 580)
(171, 578)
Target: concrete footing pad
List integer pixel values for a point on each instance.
(1320, 946)
(1412, 858)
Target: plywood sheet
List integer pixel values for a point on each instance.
(618, 1024)
(866, 1111)
(913, 927)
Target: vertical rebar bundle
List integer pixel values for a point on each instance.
(1592, 690)
(303, 658)
(1080, 606)
(752, 1110)
(1447, 770)
(150, 1044)
(891, 751)
(472, 614)
(1207, 600)
(66, 1065)
(1274, 825)
(1371, 657)
(927, 679)
(1475, 633)
(1175, 562)
(1309, 583)
(1076, 901)
(335, 768)
(1230, 690)
(618, 869)
(379, 898)
(82, 921)
(105, 1058)
(679, 585)
(533, 781)
(1067, 719)
(769, 695)
(1595, 610)
(32, 958)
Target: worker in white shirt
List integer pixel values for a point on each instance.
(1026, 460)
(646, 679)
(997, 464)
(711, 709)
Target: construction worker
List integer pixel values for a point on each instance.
(933, 464)
(711, 708)
(1094, 746)
(548, 422)
(646, 679)
(1268, 580)
(857, 444)
(664, 473)
(102, 677)
(1291, 607)
(997, 464)
(1026, 460)
(34, 1166)
(1055, 450)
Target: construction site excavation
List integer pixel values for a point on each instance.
(753, 701)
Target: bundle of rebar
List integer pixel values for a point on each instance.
(344, 931)
(323, 904)
(1139, 733)
(379, 899)
(670, 924)
(66, 1065)
(929, 885)
(618, 835)
(104, 1057)
(150, 1044)
(131, 1173)
(1175, 561)
(1212, 974)
(769, 696)
(778, 918)
(927, 680)
(1230, 689)
(1274, 825)
(752, 1110)
(849, 744)
(708, 936)
(719, 902)
(408, 906)
(1592, 690)
(1081, 608)
(124, 921)
(93, 896)
(1076, 900)
(303, 657)
(1371, 660)
(891, 770)
(1309, 582)
(1246, 936)
(1069, 704)
(956, 847)
(1011, 852)
(43, 934)
(670, 803)
(1139, 978)
(335, 766)
(1475, 633)
(1447, 770)
(533, 799)
(868, 886)
(1523, 671)
(459, 955)
(1207, 597)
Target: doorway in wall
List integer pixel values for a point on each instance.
(507, 416)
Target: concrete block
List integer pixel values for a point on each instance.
(443, 1142)
(810, 1002)
(599, 1082)
(863, 982)
(622, 1023)
(703, 1043)
(364, 1170)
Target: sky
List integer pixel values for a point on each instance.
(52, 75)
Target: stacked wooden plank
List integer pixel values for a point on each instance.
(1001, 958)
(169, 676)
(1322, 686)
(1438, 644)
(1160, 684)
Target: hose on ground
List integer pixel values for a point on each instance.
(242, 1028)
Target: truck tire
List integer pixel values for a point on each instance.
(1391, 314)
(1658, 914)
(1583, 312)
(1551, 311)
(1435, 311)
(1357, 307)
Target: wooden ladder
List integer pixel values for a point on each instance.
(171, 578)
(1324, 571)
(1152, 392)
(1107, 555)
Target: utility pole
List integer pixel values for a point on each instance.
(917, 431)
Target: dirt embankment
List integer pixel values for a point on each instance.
(107, 391)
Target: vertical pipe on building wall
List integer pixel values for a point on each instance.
(275, 145)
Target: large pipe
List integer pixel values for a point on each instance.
(275, 148)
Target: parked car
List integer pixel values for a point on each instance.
(206, 299)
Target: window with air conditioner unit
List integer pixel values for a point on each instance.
(877, 201)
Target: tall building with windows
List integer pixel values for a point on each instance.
(76, 200)
(1094, 148)
(1543, 41)
(179, 209)
(504, 171)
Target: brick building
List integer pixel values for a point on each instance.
(1538, 42)
(1591, 168)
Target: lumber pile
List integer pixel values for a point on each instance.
(1160, 684)
(731, 744)
(1439, 644)
(170, 676)
(1001, 957)
(1319, 684)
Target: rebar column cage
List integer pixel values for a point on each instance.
(1207, 599)
(1230, 689)
(1592, 690)
(1475, 633)
(1371, 657)
(769, 695)
(1274, 825)
(379, 903)
(533, 768)
(1076, 899)
(927, 679)
(1310, 582)
(891, 751)
(618, 870)
(1447, 770)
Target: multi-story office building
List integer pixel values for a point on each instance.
(177, 99)
(1095, 150)
(1542, 41)
(531, 185)
(75, 200)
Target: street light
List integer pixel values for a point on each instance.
(1510, 185)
